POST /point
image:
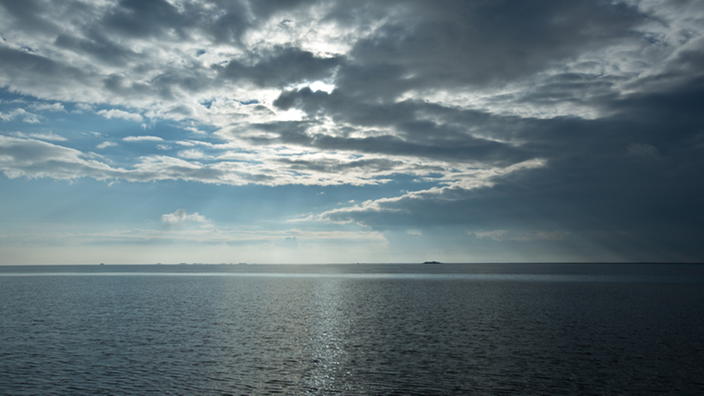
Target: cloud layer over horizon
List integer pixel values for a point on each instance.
(472, 131)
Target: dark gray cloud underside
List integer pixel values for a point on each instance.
(280, 67)
(480, 43)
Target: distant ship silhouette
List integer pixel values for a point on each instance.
(432, 262)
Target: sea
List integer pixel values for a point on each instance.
(357, 329)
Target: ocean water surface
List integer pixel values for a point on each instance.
(352, 329)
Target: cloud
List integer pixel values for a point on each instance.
(281, 67)
(582, 116)
(114, 113)
(142, 139)
(48, 136)
(48, 107)
(192, 244)
(642, 150)
(456, 189)
(42, 136)
(520, 236)
(288, 243)
(36, 159)
(26, 116)
(106, 145)
(180, 216)
(110, 50)
(191, 154)
(479, 44)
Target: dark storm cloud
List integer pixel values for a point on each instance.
(146, 18)
(628, 183)
(98, 47)
(447, 135)
(625, 181)
(480, 43)
(425, 145)
(28, 71)
(17, 60)
(155, 18)
(29, 15)
(677, 103)
(265, 8)
(566, 88)
(280, 67)
(334, 166)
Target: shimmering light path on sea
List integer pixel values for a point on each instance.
(366, 329)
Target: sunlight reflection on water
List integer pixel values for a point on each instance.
(341, 331)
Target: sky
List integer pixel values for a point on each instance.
(294, 131)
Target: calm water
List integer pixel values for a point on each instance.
(352, 329)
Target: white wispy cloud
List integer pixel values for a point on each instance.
(191, 154)
(26, 116)
(33, 158)
(181, 216)
(115, 113)
(36, 159)
(105, 145)
(81, 107)
(41, 136)
(48, 136)
(48, 107)
(456, 184)
(142, 139)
